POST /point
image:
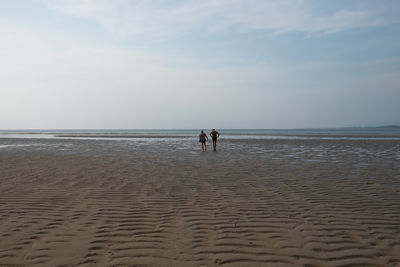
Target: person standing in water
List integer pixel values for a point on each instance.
(202, 139)
(214, 135)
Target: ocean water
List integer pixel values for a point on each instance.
(364, 133)
(363, 147)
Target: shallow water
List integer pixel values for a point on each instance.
(300, 150)
(178, 134)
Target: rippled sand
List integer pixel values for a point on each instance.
(166, 203)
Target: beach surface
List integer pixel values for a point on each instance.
(163, 202)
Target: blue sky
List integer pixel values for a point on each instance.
(199, 64)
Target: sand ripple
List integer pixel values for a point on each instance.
(253, 203)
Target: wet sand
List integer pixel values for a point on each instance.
(166, 203)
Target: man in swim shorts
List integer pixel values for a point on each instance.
(202, 139)
(214, 135)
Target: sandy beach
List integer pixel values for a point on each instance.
(70, 202)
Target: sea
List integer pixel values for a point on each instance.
(363, 147)
(350, 133)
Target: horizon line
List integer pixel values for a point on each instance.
(124, 129)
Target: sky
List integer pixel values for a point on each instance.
(157, 64)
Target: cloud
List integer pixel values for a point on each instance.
(125, 18)
(60, 78)
(48, 85)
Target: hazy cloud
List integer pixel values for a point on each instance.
(55, 75)
(124, 18)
